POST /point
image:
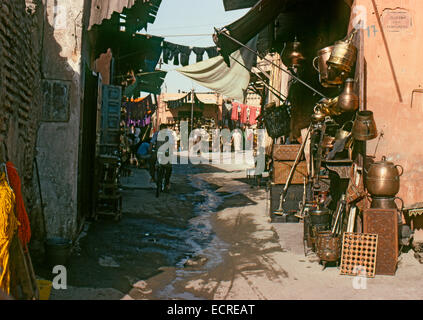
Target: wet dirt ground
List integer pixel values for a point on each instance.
(211, 238)
(169, 231)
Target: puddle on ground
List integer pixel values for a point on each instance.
(199, 232)
(149, 238)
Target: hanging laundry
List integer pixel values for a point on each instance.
(184, 55)
(235, 107)
(244, 116)
(8, 227)
(253, 116)
(147, 120)
(168, 51)
(176, 53)
(199, 52)
(212, 52)
(24, 230)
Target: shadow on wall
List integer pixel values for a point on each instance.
(36, 83)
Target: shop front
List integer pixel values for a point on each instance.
(339, 161)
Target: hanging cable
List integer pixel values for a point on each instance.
(219, 32)
(271, 89)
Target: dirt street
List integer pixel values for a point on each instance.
(211, 238)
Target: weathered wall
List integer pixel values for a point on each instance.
(58, 135)
(389, 89)
(20, 93)
(102, 66)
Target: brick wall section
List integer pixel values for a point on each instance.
(20, 94)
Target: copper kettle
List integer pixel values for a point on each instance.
(348, 101)
(292, 55)
(383, 178)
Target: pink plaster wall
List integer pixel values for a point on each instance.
(102, 65)
(401, 122)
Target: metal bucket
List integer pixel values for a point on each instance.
(364, 127)
(320, 217)
(343, 56)
(57, 251)
(328, 246)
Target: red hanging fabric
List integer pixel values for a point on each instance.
(244, 115)
(234, 115)
(253, 115)
(24, 230)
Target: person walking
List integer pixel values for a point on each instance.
(155, 145)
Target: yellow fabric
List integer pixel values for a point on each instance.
(8, 227)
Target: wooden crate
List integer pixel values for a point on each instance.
(384, 223)
(281, 170)
(286, 152)
(293, 197)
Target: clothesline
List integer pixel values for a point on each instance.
(180, 54)
(189, 35)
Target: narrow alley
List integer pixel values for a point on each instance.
(209, 238)
(211, 150)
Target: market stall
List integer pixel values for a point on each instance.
(322, 173)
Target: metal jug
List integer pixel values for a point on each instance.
(342, 133)
(364, 127)
(348, 101)
(319, 63)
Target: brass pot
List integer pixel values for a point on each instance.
(292, 55)
(320, 64)
(328, 246)
(364, 127)
(348, 101)
(320, 217)
(383, 179)
(343, 56)
(386, 203)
